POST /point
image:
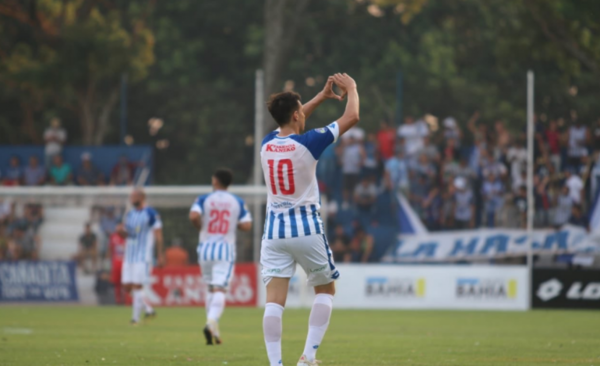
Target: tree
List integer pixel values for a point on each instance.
(72, 54)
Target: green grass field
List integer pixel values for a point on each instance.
(101, 336)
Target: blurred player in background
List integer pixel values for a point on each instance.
(293, 228)
(143, 229)
(217, 216)
(115, 252)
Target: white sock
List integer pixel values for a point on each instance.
(317, 324)
(147, 307)
(137, 304)
(207, 302)
(217, 306)
(272, 329)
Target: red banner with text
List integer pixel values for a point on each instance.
(183, 286)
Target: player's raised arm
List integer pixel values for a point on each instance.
(326, 93)
(351, 116)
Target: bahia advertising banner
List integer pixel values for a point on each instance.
(184, 286)
(489, 243)
(365, 286)
(566, 289)
(43, 281)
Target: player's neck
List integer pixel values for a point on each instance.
(289, 130)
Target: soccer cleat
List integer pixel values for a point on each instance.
(303, 361)
(208, 335)
(151, 315)
(133, 323)
(218, 340)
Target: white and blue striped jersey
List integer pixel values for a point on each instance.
(289, 166)
(221, 212)
(140, 226)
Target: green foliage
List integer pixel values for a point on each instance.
(195, 63)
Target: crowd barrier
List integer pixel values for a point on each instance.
(360, 286)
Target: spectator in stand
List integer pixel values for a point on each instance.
(491, 166)
(516, 156)
(340, 245)
(552, 136)
(542, 200)
(24, 242)
(432, 210)
(575, 185)
(413, 133)
(365, 195)
(352, 157)
(55, 137)
(176, 256)
(88, 249)
(122, 173)
(396, 173)
(385, 139)
(423, 168)
(5, 211)
(578, 137)
(14, 173)
(578, 218)
(420, 187)
(34, 174)
(430, 151)
(563, 207)
(451, 131)
(463, 206)
(60, 172)
(361, 247)
(88, 174)
(34, 215)
(116, 252)
(595, 136)
(371, 161)
(493, 196)
(520, 202)
(3, 243)
(502, 136)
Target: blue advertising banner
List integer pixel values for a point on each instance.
(490, 243)
(38, 281)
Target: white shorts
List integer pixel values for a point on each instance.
(278, 258)
(217, 273)
(136, 273)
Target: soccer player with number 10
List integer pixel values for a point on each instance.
(293, 229)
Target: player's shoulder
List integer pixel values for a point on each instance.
(270, 136)
(151, 211)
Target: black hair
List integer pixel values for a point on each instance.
(224, 177)
(282, 106)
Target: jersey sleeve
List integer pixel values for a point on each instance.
(244, 213)
(317, 140)
(154, 221)
(198, 205)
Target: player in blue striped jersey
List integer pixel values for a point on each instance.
(293, 227)
(217, 216)
(143, 229)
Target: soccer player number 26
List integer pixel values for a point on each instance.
(286, 188)
(219, 222)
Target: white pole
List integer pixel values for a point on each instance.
(259, 107)
(530, 163)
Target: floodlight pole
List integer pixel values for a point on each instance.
(259, 120)
(530, 188)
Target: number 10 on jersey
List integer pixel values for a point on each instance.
(286, 188)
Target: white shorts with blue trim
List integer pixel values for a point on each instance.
(137, 273)
(278, 258)
(217, 273)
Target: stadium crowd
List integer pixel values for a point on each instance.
(455, 177)
(19, 226)
(55, 171)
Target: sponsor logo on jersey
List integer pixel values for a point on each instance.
(477, 288)
(320, 269)
(281, 148)
(321, 130)
(394, 287)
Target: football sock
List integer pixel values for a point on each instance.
(137, 304)
(207, 302)
(217, 306)
(317, 324)
(147, 307)
(272, 329)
